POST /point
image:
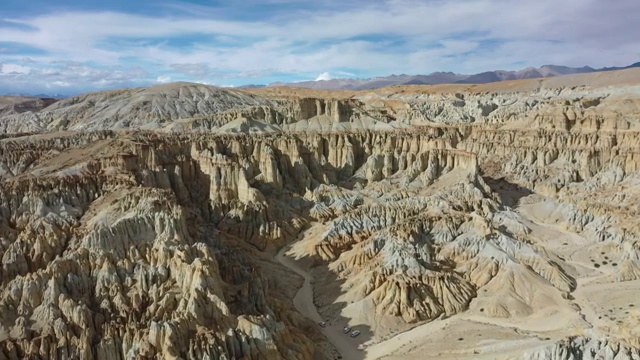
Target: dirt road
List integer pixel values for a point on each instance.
(303, 301)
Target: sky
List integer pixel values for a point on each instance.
(73, 46)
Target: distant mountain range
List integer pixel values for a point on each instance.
(443, 78)
(43, 96)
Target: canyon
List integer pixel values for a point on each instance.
(184, 221)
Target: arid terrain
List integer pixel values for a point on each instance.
(184, 221)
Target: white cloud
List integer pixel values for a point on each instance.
(59, 84)
(345, 73)
(14, 69)
(163, 79)
(204, 82)
(394, 38)
(324, 76)
(192, 69)
(66, 76)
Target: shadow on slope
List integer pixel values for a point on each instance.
(508, 192)
(326, 306)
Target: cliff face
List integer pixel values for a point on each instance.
(520, 211)
(113, 242)
(103, 258)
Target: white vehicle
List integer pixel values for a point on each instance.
(355, 333)
(346, 329)
(323, 324)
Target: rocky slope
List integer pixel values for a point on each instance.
(551, 102)
(456, 209)
(16, 104)
(584, 348)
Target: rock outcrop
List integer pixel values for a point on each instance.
(412, 205)
(585, 348)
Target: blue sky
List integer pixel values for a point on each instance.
(69, 47)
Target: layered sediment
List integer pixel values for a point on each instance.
(499, 204)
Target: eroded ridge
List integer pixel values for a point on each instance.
(512, 236)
